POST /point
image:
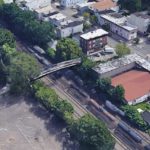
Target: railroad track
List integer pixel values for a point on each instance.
(74, 102)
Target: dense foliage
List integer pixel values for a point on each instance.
(122, 49)
(131, 5)
(25, 24)
(51, 101)
(134, 116)
(6, 37)
(92, 134)
(67, 49)
(104, 84)
(22, 68)
(115, 93)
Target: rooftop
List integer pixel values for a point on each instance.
(58, 16)
(146, 116)
(94, 34)
(104, 4)
(135, 82)
(114, 64)
(119, 20)
(70, 23)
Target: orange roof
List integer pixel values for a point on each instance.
(135, 82)
(104, 4)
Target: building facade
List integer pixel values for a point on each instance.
(141, 20)
(118, 25)
(93, 41)
(70, 3)
(70, 29)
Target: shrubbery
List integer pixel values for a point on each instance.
(134, 117)
(51, 101)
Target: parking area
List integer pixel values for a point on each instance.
(24, 124)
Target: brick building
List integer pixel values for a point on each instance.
(93, 41)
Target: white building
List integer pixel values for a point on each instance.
(34, 4)
(56, 19)
(69, 3)
(69, 28)
(118, 25)
(141, 20)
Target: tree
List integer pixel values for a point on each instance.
(51, 52)
(122, 49)
(117, 93)
(134, 117)
(86, 15)
(22, 68)
(92, 134)
(25, 24)
(104, 84)
(131, 5)
(67, 49)
(6, 37)
(93, 19)
(87, 64)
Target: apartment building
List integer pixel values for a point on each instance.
(93, 41)
(118, 25)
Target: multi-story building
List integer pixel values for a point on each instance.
(69, 28)
(118, 25)
(69, 3)
(93, 41)
(141, 20)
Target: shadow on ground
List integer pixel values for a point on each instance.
(53, 124)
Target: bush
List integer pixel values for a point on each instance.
(134, 117)
(51, 101)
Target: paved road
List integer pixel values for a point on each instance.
(141, 49)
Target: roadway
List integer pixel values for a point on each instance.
(123, 140)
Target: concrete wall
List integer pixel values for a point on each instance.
(139, 100)
(118, 70)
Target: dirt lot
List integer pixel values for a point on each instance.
(25, 125)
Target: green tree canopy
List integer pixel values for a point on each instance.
(135, 117)
(6, 37)
(104, 84)
(122, 49)
(22, 68)
(67, 49)
(118, 93)
(25, 24)
(131, 5)
(87, 64)
(92, 134)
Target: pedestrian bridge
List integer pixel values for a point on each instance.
(58, 66)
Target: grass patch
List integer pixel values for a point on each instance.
(143, 106)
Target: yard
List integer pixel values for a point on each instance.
(143, 106)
